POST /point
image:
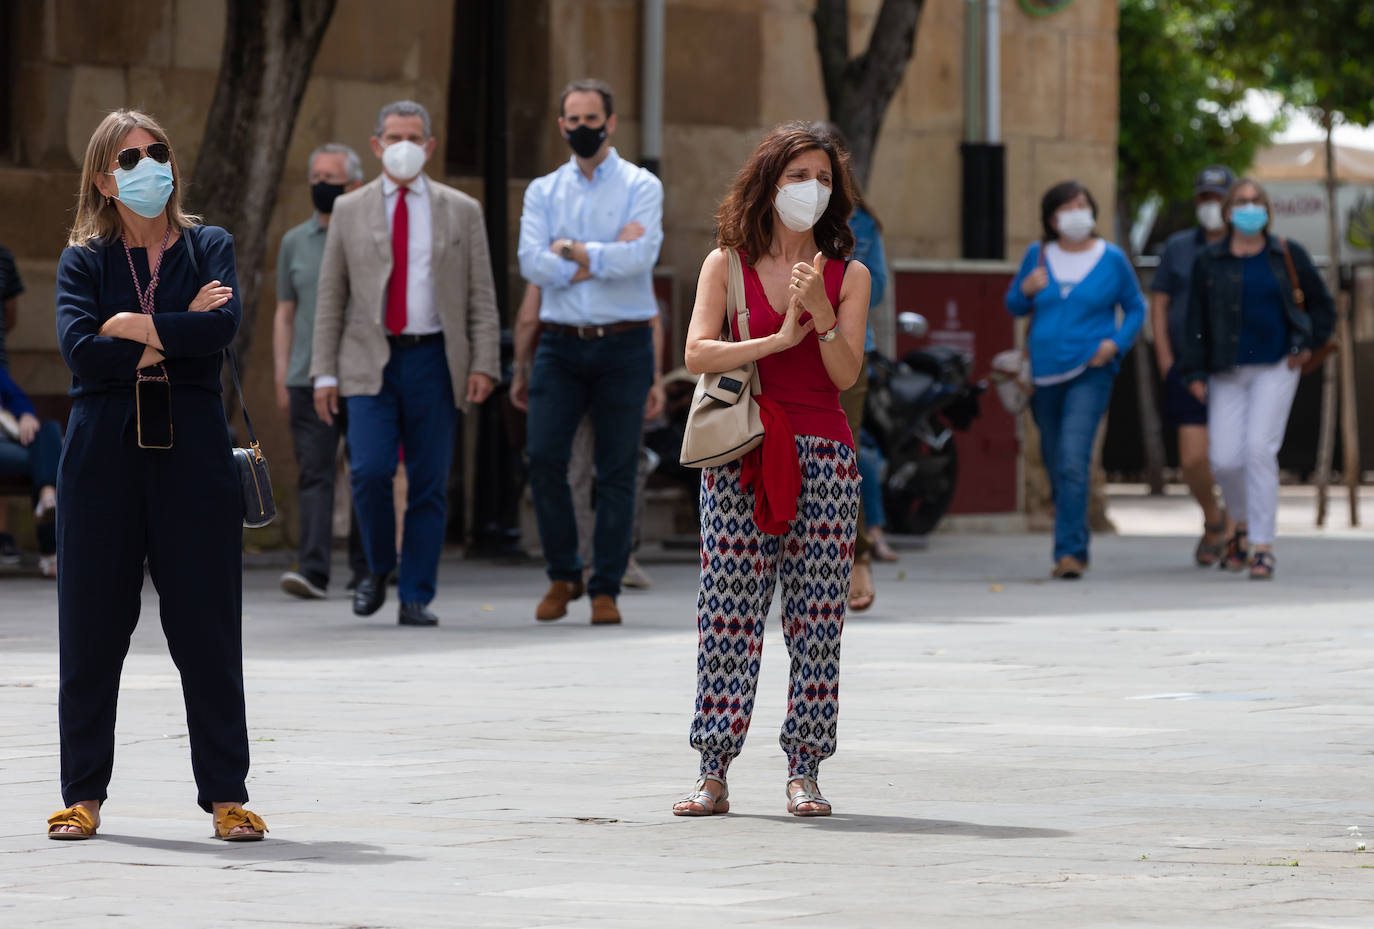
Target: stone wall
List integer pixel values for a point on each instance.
(731, 71)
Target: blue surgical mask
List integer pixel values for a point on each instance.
(145, 187)
(1249, 218)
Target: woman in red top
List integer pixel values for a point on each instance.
(767, 514)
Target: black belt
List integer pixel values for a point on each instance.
(410, 341)
(596, 332)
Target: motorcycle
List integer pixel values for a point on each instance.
(913, 408)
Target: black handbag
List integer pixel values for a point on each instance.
(255, 482)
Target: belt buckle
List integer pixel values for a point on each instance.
(597, 332)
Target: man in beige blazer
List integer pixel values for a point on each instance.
(407, 333)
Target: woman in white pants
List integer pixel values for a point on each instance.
(1256, 311)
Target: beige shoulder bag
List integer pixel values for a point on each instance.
(724, 423)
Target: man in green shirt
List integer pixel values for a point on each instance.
(334, 169)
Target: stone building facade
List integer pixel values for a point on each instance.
(731, 70)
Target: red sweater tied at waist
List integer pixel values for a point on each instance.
(772, 470)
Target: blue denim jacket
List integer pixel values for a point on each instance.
(1214, 307)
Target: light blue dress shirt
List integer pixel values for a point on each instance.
(565, 204)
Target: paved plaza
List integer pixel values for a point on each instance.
(1155, 746)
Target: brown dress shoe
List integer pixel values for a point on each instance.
(1069, 568)
(555, 602)
(604, 610)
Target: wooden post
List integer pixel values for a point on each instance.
(1326, 440)
(1350, 424)
(1326, 437)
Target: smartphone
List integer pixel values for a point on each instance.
(154, 400)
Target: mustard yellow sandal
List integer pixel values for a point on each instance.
(73, 816)
(231, 818)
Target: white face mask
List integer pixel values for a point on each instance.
(1076, 224)
(802, 204)
(1209, 215)
(403, 160)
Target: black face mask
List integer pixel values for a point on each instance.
(323, 195)
(586, 141)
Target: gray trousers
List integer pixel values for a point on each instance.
(317, 449)
(582, 477)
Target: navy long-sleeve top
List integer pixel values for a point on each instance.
(93, 284)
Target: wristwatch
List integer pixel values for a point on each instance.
(565, 248)
(830, 334)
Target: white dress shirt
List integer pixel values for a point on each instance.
(421, 316)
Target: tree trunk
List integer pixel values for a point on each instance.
(269, 48)
(859, 89)
(1326, 436)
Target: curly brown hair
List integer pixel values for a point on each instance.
(744, 220)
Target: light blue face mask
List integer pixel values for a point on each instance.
(145, 187)
(1249, 218)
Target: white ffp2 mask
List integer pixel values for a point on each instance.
(403, 160)
(802, 204)
(1209, 215)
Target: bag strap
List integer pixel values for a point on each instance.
(1298, 296)
(228, 349)
(736, 304)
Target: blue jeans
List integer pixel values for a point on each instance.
(1067, 416)
(414, 409)
(871, 469)
(608, 378)
(37, 460)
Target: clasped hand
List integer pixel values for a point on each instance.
(793, 330)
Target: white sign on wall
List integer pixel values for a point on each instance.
(1300, 214)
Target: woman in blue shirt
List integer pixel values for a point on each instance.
(1246, 340)
(146, 304)
(1071, 284)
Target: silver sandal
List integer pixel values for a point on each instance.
(810, 793)
(710, 804)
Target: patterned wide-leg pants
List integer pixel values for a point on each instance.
(739, 567)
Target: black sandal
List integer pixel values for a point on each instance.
(1207, 553)
(1237, 554)
(1263, 566)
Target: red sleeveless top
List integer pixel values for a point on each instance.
(796, 378)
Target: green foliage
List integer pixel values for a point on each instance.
(1319, 54)
(1180, 110)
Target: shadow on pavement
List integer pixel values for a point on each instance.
(269, 850)
(906, 825)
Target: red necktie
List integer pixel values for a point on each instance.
(400, 265)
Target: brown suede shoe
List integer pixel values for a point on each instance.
(604, 610)
(1069, 568)
(555, 602)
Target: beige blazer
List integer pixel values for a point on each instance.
(350, 333)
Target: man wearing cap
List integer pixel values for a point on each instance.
(1168, 307)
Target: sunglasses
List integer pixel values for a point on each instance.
(158, 151)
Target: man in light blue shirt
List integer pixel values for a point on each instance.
(589, 237)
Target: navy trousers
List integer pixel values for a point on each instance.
(415, 409)
(610, 379)
(180, 511)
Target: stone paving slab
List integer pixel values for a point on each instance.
(1153, 746)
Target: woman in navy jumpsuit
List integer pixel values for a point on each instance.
(178, 510)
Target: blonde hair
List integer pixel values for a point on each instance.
(1261, 195)
(97, 218)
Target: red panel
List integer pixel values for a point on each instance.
(966, 311)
